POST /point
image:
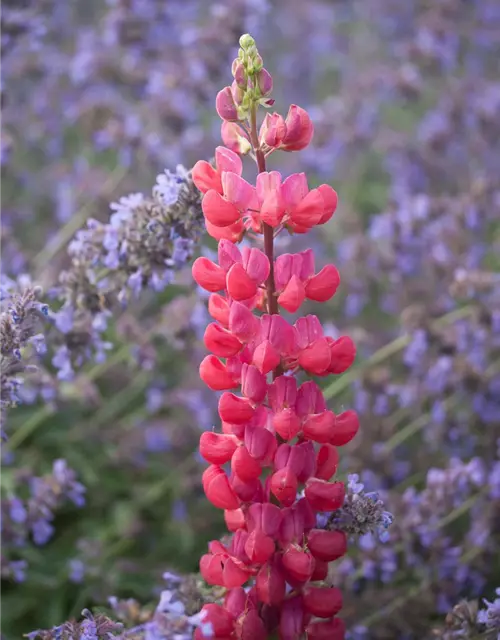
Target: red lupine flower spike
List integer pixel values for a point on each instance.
(279, 545)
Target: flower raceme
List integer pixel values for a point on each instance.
(272, 463)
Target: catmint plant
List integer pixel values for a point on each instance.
(22, 321)
(279, 437)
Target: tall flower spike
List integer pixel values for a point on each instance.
(280, 439)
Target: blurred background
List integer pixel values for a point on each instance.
(100, 473)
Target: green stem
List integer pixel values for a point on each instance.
(272, 300)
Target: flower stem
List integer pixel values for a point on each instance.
(272, 300)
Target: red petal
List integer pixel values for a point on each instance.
(343, 353)
(244, 466)
(293, 295)
(234, 409)
(219, 211)
(217, 448)
(323, 285)
(208, 275)
(221, 342)
(322, 602)
(324, 496)
(239, 284)
(346, 427)
(327, 545)
(205, 177)
(214, 375)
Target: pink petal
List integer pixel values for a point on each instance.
(227, 160)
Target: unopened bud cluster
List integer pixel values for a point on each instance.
(272, 462)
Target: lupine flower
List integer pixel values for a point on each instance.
(275, 540)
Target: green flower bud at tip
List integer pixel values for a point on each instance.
(246, 41)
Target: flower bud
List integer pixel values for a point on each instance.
(246, 41)
(272, 130)
(225, 105)
(238, 94)
(239, 73)
(264, 82)
(299, 129)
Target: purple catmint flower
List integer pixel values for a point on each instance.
(21, 317)
(144, 243)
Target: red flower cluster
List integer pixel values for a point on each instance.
(277, 437)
